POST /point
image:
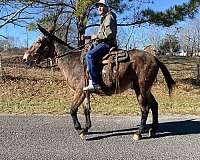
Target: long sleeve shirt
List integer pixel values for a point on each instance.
(108, 29)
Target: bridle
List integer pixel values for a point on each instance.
(46, 42)
(49, 36)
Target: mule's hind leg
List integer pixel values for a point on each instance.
(152, 103)
(144, 112)
(142, 100)
(78, 99)
(87, 109)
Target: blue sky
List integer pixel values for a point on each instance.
(21, 34)
(161, 5)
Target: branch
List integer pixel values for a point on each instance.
(55, 4)
(9, 20)
(172, 15)
(125, 24)
(3, 36)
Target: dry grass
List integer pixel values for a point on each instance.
(34, 91)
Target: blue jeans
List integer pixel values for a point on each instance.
(93, 58)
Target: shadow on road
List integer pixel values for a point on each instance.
(165, 129)
(113, 133)
(179, 128)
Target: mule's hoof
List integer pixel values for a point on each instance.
(137, 136)
(82, 135)
(152, 133)
(85, 130)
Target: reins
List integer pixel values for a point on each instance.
(72, 51)
(75, 50)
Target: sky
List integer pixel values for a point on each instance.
(21, 34)
(160, 5)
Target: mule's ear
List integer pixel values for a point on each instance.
(52, 37)
(43, 30)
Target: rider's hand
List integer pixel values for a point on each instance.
(83, 37)
(93, 37)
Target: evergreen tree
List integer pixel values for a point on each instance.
(74, 14)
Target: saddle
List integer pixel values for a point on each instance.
(111, 62)
(110, 65)
(115, 56)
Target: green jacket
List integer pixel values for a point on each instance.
(108, 29)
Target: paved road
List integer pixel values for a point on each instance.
(53, 137)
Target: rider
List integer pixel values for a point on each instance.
(105, 38)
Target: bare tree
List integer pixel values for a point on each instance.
(190, 38)
(155, 38)
(75, 14)
(14, 13)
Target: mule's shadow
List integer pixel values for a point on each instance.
(165, 129)
(113, 133)
(186, 127)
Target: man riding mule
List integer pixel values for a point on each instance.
(137, 73)
(105, 38)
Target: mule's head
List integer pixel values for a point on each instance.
(42, 49)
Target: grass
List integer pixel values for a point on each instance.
(38, 91)
(34, 95)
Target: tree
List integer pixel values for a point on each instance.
(155, 38)
(173, 14)
(74, 15)
(14, 13)
(190, 38)
(6, 44)
(169, 44)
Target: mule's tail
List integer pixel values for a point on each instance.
(168, 78)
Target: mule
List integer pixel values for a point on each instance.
(138, 73)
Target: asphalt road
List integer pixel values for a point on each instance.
(53, 138)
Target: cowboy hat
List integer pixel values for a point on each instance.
(104, 2)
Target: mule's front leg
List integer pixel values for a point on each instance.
(78, 99)
(86, 107)
(73, 113)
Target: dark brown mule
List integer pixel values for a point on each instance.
(138, 73)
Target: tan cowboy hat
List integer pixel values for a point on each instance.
(104, 2)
